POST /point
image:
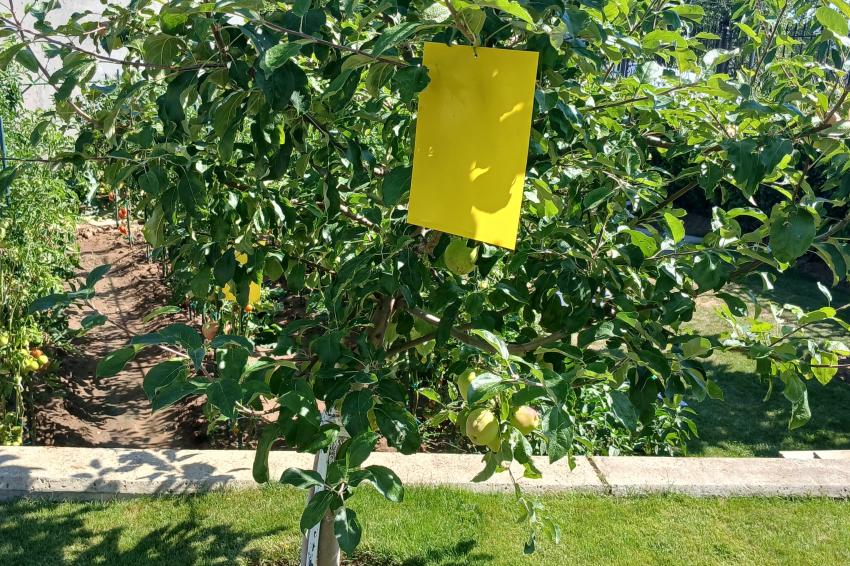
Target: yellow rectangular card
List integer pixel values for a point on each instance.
(471, 144)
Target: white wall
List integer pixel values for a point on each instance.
(40, 96)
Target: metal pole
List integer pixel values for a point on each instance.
(3, 157)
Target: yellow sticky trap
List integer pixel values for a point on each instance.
(253, 293)
(472, 135)
(253, 288)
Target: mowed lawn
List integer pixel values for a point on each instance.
(432, 526)
(745, 425)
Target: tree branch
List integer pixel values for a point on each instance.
(513, 348)
(36, 37)
(660, 206)
(770, 37)
(638, 98)
(19, 26)
(320, 41)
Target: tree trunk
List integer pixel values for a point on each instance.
(320, 547)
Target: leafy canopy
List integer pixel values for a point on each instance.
(281, 134)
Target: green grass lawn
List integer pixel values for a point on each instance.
(440, 527)
(744, 425)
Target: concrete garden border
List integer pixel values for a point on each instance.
(103, 473)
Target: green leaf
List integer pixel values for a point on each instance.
(267, 438)
(508, 6)
(736, 305)
(149, 183)
(327, 347)
(225, 268)
(96, 274)
(493, 340)
(710, 272)
(162, 374)
(9, 53)
(676, 227)
(228, 113)
(91, 321)
(832, 20)
(393, 36)
(379, 74)
(161, 311)
(796, 393)
(485, 386)
(355, 411)
(161, 49)
(38, 132)
(223, 340)
(48, 302)
(347, 529)
(792, 231)
(154, 230)
(302, 479)
(646, 243)
(278, 55)
(171, 393)
(409, 81)
(623, 409)
(7, 177)
(319, 504)
(824, 366)
(224, 394)
(398, 426)
(822, 313)
(360, 448)
(396, 185)
(27, 59)
(695, 347)
(557, 429)
(113, 363)
(387, 482)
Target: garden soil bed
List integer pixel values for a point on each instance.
(89, 411)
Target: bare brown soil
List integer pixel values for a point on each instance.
(114, 411)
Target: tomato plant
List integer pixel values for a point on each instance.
(37, 253)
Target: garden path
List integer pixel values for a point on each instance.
(114, 411)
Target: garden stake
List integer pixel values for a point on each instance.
(3, 157)
(319, 547)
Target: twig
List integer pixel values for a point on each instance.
(660, 206)
(35, 37)
(639, 98)
(320, 41)
(769, 42)
(19, 26)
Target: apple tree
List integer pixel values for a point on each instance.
(268, 146)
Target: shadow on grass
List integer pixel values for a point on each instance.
(460, 554)
(743, 424)
(42, 532)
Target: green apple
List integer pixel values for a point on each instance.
(460, 259)
(525, 418)
(464, 380)
(482, 427)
